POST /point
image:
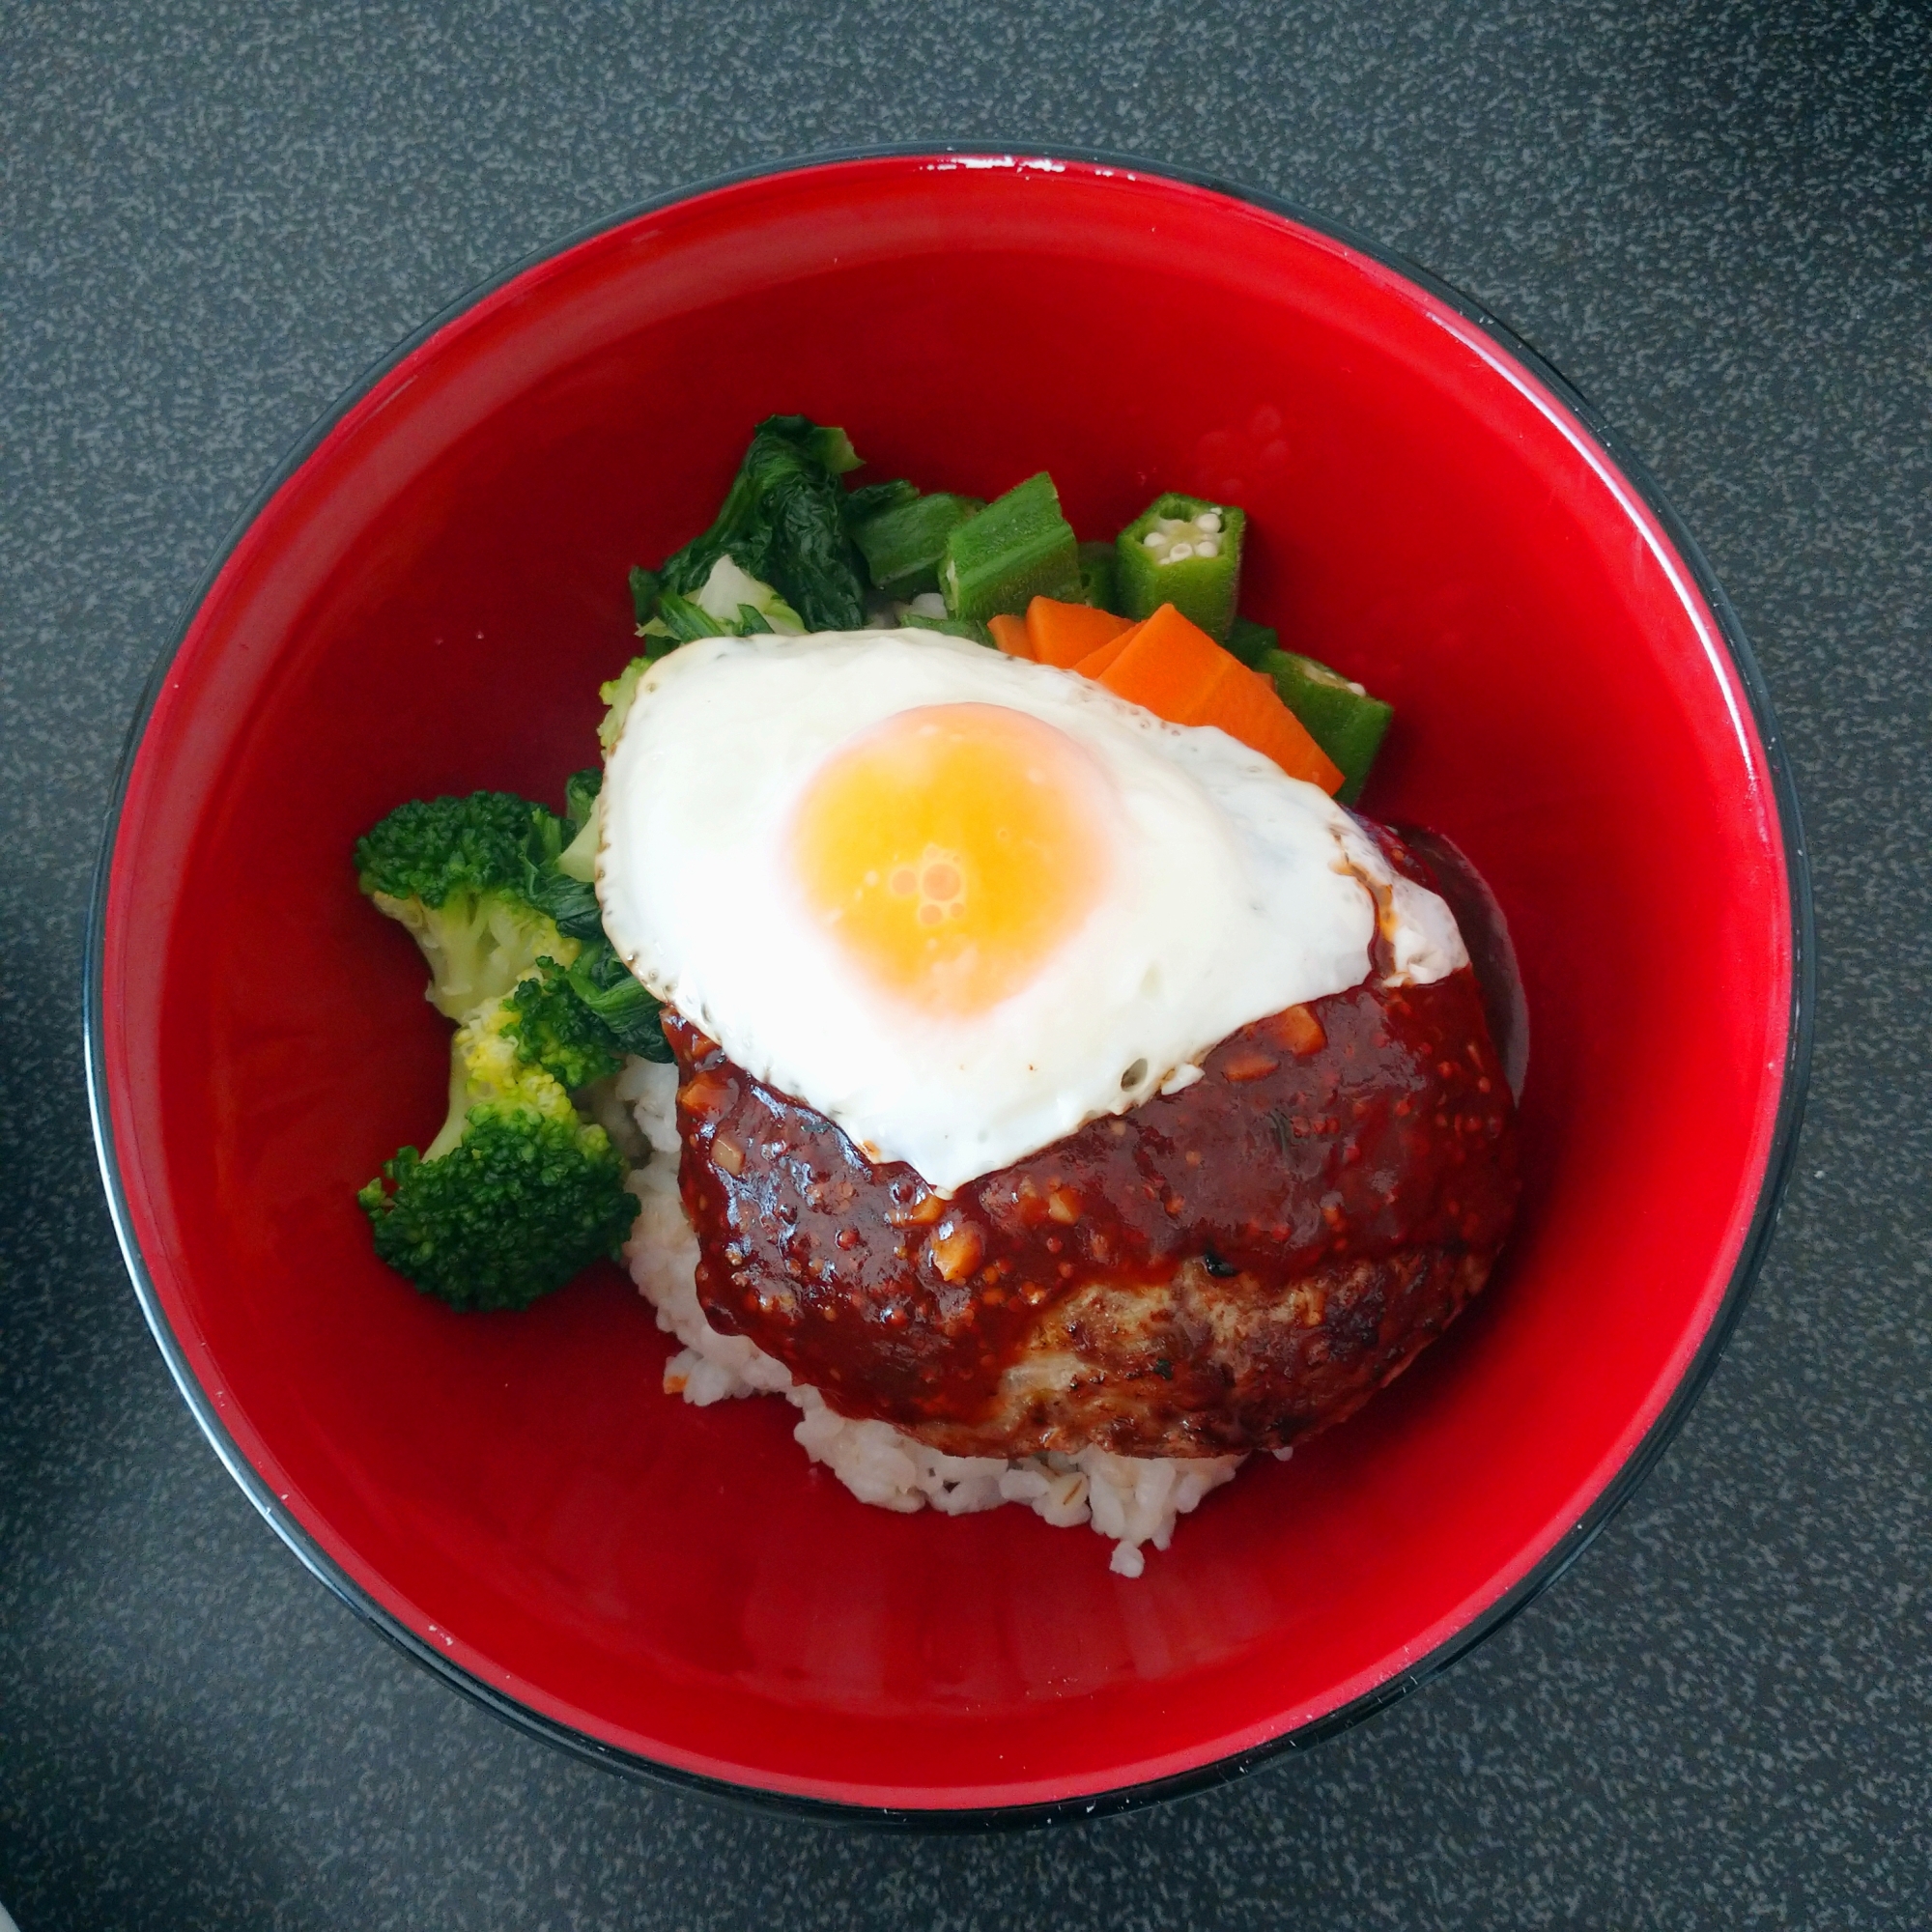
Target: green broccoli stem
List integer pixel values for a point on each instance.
(460, 1100)
(477, 945)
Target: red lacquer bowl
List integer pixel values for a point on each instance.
(426, 602)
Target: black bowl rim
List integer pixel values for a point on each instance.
(1621, 1486)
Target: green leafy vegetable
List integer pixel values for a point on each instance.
(560, 861)
(904, 542)
(645, 588)
(969, 628)
(684, 620)
(620, 1001)
(580, 797)
(618, 695)
(784, 523)
(570, 903)
(737, 598)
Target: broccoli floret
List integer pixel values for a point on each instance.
(431, 847)
(456, 872)
(553, 1029)
(514, 1196)
(518, 1190)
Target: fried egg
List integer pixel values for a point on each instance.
(962, 904)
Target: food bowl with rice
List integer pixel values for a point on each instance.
(863, 1258)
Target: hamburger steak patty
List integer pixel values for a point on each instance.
(1228, 1267)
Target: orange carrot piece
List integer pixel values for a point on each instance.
(1062, 634)
(1178, 672)
(1247, 706)
(1012, 635)
(1100, 663)
(1167, 666)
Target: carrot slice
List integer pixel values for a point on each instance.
(1178, 672)
(1100, 663)
(1168, 665)
(1011, 637)
(1248, 707)
(1062, 634)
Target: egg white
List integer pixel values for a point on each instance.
(1235, 891)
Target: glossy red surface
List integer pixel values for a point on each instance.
(429, 603)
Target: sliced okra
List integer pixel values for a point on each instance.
(1186, 551)
(1340, 715)
(904, 543)
(1018, 548)
(1250, 641)
(1101, 576)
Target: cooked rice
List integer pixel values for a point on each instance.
(1133, 1499)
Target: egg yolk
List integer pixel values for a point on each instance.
(952, 849)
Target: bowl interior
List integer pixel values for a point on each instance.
(429, 603)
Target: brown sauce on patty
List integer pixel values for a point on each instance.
(1363, 1127)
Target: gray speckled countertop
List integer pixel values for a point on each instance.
(1714, 217)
